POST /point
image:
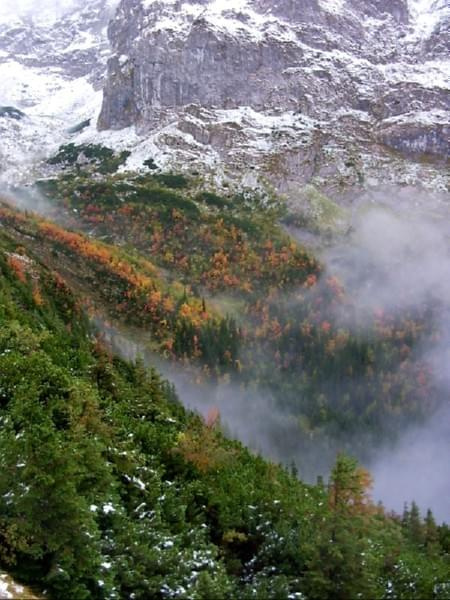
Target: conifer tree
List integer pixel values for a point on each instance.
(431, 533)
(415, 527)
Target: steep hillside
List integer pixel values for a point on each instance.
(109, 489)
(216, 286)
(238, 209)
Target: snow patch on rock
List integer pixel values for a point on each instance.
(426, 15)
(332, 6)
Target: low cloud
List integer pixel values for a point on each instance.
(397, 259)
(417, 468)
(394, 260)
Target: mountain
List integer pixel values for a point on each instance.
(52, 67)
(346, 94)
(231, 278)
(302, 327)
(343, 94)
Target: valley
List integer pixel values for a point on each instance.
(224, 299)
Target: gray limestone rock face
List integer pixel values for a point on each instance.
(156, 67)
(296, 11)
(416, 139)
(349, 66)
(405, 97)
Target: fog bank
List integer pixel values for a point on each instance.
(397, 259)
(417, 468)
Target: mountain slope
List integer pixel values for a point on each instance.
(109, 488)
(343, 94)
(215, 285)
(126, 494)
(346, 94)
(52, 69)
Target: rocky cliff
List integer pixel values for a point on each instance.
(343, 93)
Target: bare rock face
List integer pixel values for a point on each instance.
(417, 139)
(167, 57)
(299, 89)
(405, 97)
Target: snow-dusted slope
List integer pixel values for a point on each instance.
(51, 105)
(52, 61)
(427, 16)
(340, 82)
(343, 93)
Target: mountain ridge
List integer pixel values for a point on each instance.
(298, 90)
(361, 99)
(302, 326)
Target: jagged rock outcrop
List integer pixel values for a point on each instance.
(341, 93)
(416, 139)
(297, 88)
(404, 97)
